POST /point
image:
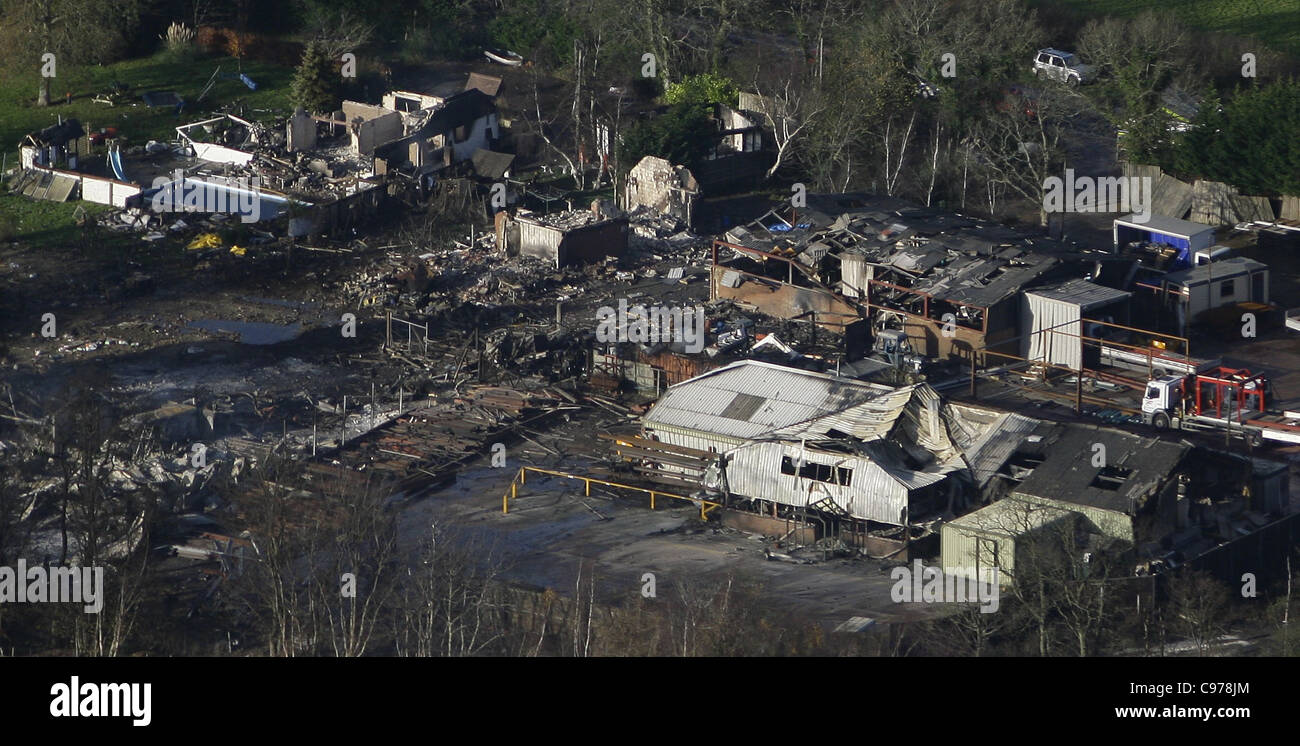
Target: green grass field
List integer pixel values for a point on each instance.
(1275, 22)
(50, 224)
(40, 222)
(19, 114)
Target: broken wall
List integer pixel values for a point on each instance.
(343, 213)
(589, 243)
(658, 185)
(409, 101)
(107, 191)
(300, 132)
(371, 126)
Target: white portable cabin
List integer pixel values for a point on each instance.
(1219, 283)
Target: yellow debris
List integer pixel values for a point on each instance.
(205, 241)
(238, 250)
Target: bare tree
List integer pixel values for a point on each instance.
(895, 139)
(1020, 149)
(356, 579)
(73, 31)
(339, 31)
(451, 601)
(1082, 601)
(542, 126)
(869, 87)
(1198, 604)
(276, 590)
(789, 110)
(974, 628)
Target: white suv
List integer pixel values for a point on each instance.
(1061, 66)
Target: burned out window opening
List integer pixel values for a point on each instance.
(1111, 477)
(837, 475)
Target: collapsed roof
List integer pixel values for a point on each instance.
(56, 134)
(463, 109)
(909, 432)
(946, 256)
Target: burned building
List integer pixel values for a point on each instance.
(952, 283)
(658, 185)
(51, 163)
(370, 126)
(882, 462)
(57, 145)
(443, 135)
(1140, 503)
(565, 238)
(740, 154)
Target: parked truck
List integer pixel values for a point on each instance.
(1221, 399)
(1155, 362)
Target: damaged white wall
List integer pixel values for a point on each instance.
(371, 126)
(660, 186)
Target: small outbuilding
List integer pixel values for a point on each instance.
(1054, 321)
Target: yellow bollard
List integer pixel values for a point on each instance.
(652, 500)
(587, 482)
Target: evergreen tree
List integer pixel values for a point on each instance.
(315, 84)
(1252, 142)
(682, 135)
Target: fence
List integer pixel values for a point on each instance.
(417, 335)
(522, 475)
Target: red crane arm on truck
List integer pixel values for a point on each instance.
(1215, 387)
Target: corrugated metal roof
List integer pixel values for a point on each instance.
(987, 438)
(898, 440)
(794, 403)
(1220, 270)
(1082, 293)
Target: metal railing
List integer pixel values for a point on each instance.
(522, 475)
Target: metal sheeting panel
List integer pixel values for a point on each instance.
(902, 440)
(987, 443)
(1052, 331)
(754, 471)
(678, 436)
(793, 399)
(1088, 296)
(855, 273)
(867, 421)
(62, 188)
(969, 544)
(921, 423)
